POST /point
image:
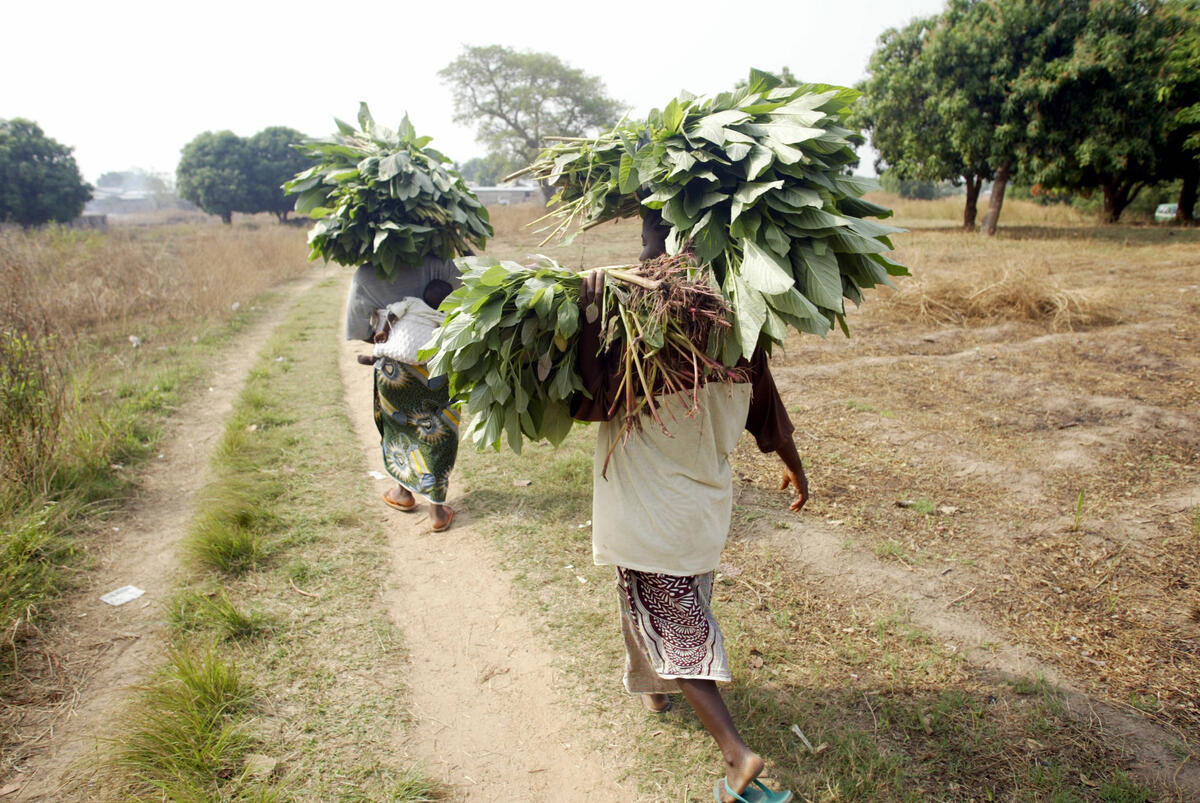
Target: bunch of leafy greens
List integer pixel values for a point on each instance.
(511, 335)
(756, 183)
(385, 198)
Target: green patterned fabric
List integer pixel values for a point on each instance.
(418, 428)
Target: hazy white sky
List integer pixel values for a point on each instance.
(128, 83)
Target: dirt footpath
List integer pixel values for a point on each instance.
(490, 717)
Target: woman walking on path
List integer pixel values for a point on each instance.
(418, 429)
(391, 207)
(661, 518)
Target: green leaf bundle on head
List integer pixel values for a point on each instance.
(385, 198)
(755, 183)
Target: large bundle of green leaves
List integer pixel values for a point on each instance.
(511, 336)
(385, 198)
(756, 183)
(508, 347)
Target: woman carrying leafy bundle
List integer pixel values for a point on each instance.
(660, 514)
(386, 202)
(418, 428)
(750, 193)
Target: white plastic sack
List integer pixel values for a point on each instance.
(412, 324)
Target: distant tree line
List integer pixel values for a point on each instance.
(39, 180)
(223, 173)
(1063, 95)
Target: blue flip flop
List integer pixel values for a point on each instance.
(757, 792)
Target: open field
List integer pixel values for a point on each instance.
(994, 592)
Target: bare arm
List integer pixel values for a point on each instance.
(793, 474)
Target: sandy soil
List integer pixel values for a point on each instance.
(490, 716)
(100, 651)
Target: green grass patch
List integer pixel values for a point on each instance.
(194, 611)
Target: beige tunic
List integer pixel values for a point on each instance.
(666, 504)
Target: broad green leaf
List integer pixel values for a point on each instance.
(793, 304)
(710, 237)
(763, 270)
(672, 117)
(737, 151)
(747, 194)
(556, 423)
(628, 177)
(759, 160)
(821, 278)
(493, 276)
(712, 127)
(750, 312)
(657, 199)
(791, 133)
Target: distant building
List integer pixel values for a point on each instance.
(506, 195)
(118, 201)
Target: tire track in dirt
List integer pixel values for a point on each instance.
(489, 715)
(107, 650)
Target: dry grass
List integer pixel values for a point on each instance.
(100, 334)
(949, 212)
(324, 694)
(73, 282)
(510, 221)
(1018, 295)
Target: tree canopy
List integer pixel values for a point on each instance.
(272, 160)
(1180, 94)
(223, 173)
(1094, 115)
(515, 99)
(906, 121)
(39, 180)
(212, 174)
(1063, 93)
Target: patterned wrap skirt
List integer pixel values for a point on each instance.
(669, 630)
(417, 427)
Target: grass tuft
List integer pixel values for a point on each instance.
(194, 612)
(225, 546)
(186, 738)
(31, 549)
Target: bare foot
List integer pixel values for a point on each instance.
(740, 772)
(656, 703)
(441, 516)
(400, 498)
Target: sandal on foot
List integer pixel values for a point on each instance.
(445, 525)
(392, 503)
(761, 794)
